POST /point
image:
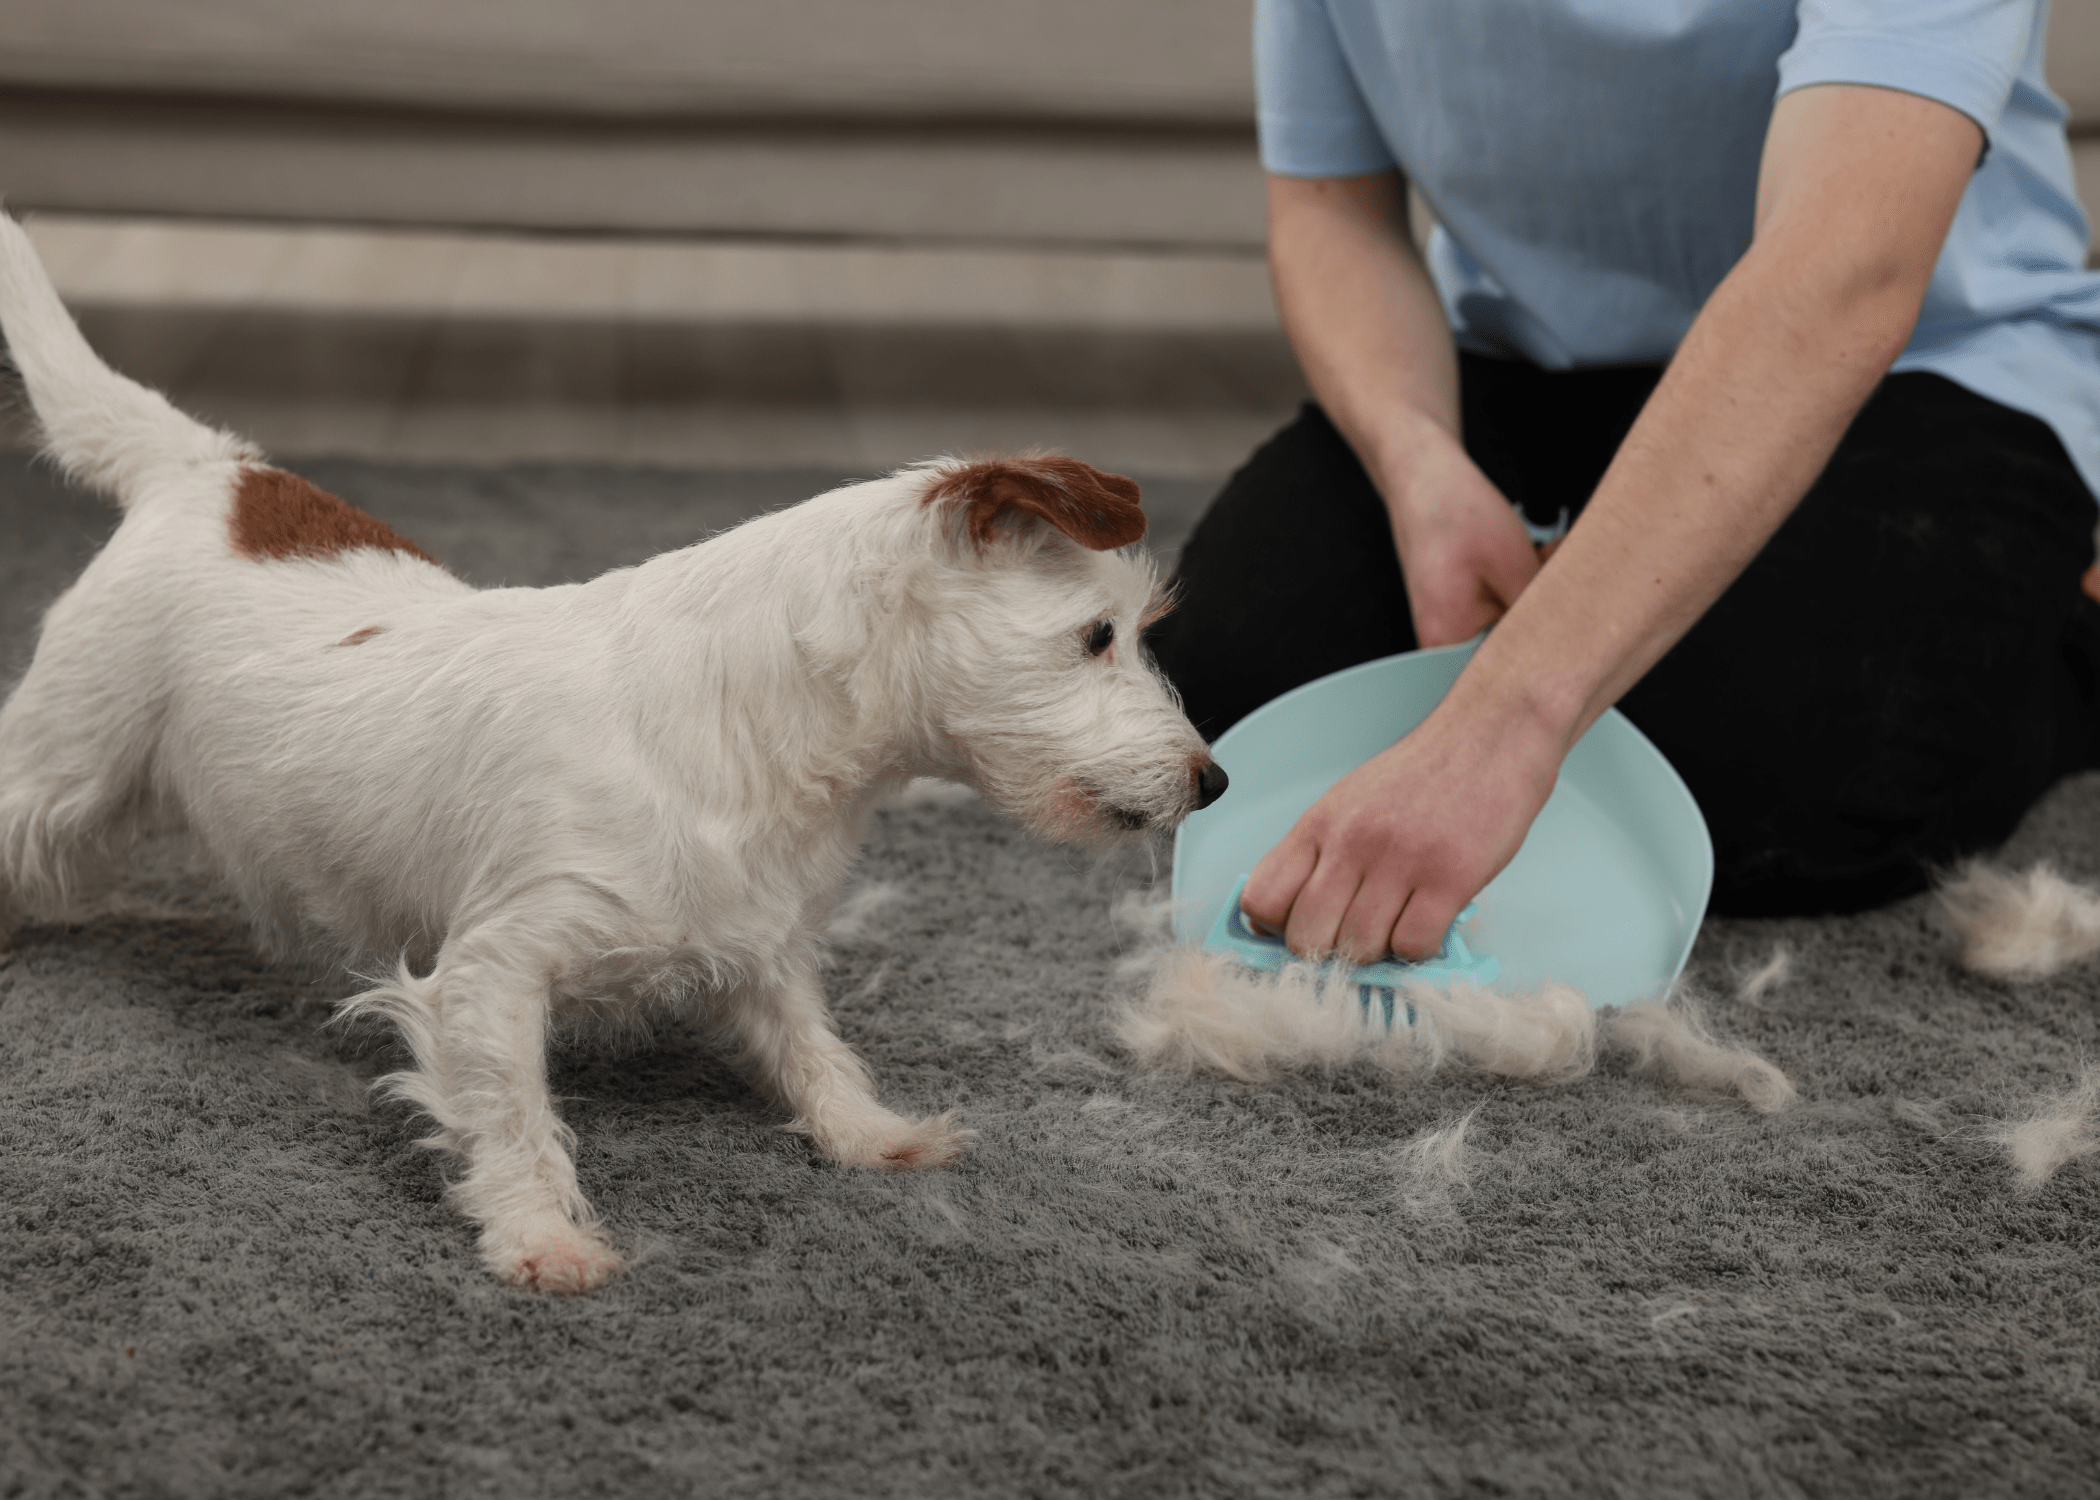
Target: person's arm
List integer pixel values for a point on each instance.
(1857, 190)
(1369, 331)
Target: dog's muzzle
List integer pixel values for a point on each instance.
(1211, 782)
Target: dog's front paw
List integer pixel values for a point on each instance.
(560, 1260)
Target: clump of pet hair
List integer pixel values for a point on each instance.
(1546, 1036)
(1437, 1156)
(1671, 1040)
(1769, 975)
(1430, 1171)
(1206, 1012)
(2054, 1133)
(854, 918)
(2026, 926)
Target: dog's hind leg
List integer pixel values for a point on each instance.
(478, 1028)
(792, 1051)
(73, 780)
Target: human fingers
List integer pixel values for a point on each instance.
(1455, 607)
(1418, 933)
(1314, 929)
(1466, 579)
(1274, 884)
(1365, 933)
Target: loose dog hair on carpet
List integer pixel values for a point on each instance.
(2026, 926)
(1207, 1012)
(2056, 1131)
(1675, 1042)
(1767, 976)
(1431, 1166)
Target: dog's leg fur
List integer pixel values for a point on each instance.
(76, 735)
(477, 1025)
(70, 781)
(792, 1051)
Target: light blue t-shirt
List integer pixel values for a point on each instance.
(1593, 165)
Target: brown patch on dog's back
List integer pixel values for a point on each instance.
(359, 637)
(279, 515)
(1095, 509)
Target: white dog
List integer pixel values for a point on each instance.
(544, 803)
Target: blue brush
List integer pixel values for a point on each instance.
(1376, 984)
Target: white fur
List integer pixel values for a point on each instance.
(1672, 1041)
(2020, 926)
(1206, 1012)
(1769, 975)
(2057, 1131)
(1429, 1167)
(538, 806)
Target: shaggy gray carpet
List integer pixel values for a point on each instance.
(227, 1273)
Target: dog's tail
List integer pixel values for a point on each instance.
(102, 429)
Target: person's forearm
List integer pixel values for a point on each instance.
(1761, 390)
(1369, 331)
(1743, 421)
(1364, 318)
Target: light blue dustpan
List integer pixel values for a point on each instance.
(1606, 893)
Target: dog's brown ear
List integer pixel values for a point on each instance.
(1099, 511)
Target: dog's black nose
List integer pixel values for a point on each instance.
(1211, 782)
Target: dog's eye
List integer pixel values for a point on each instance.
(1101, 637)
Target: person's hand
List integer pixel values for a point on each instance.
(1463, 548)
(1396, 848)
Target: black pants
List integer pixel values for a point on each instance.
(1895, 679)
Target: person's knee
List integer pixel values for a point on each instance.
(1811, 824)
(1816, 862)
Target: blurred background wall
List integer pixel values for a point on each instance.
(798, 231)
(1087, 121)
(1099, 122)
